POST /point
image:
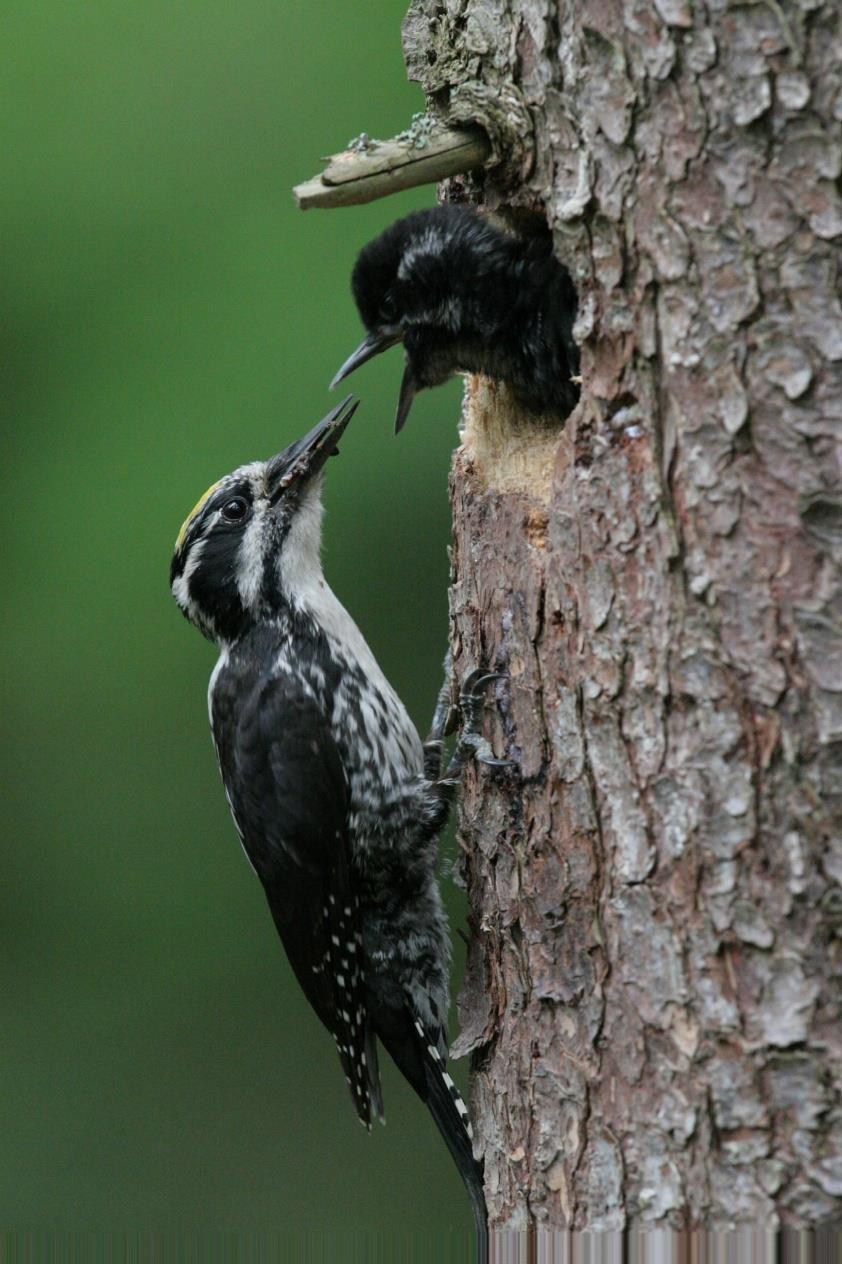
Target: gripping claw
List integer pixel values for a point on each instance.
(491, 762)
(471, 744)
(476, 679)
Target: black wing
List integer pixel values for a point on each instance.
(289, 797)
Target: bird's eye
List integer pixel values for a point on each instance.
(388, 307)
(235, 510)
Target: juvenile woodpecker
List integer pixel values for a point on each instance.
(337, 803)
(463, 296)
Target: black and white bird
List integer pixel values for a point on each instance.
(337, 803)
(464, 296)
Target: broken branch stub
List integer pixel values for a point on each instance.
(369, 169)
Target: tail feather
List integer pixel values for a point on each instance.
(450, 1113)
(417, 1055)
(374, 1089)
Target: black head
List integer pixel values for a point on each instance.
(254, 535)
(424, 282)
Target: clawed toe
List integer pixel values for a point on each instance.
(470, 744)
(491, 761)
(475, 682)
(474, 746)
(480, 749)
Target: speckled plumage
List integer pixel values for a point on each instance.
(337, 803)
(288, 686)
(462, 295)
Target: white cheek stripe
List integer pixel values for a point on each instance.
(250, 558)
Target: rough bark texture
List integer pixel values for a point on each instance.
(653, 992)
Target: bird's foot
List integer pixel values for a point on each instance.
(470, 744)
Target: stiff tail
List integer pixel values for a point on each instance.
(416, 1053)
(417, 1056)
(450, 1113)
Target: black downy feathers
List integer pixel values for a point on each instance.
(463, 295)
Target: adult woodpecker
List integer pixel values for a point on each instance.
(337, 803)
(464, 296)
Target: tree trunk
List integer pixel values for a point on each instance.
(652, 996)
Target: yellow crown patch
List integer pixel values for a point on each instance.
(185, 526)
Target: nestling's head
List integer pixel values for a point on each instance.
(430, 281)
(253, 539)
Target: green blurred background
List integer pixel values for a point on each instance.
(167, 313)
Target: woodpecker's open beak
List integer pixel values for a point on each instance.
(304, 458)
(380, 340)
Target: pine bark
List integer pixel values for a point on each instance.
(652, 999)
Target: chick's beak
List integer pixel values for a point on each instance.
(379, 340)
(304, 458)
(409, 387)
